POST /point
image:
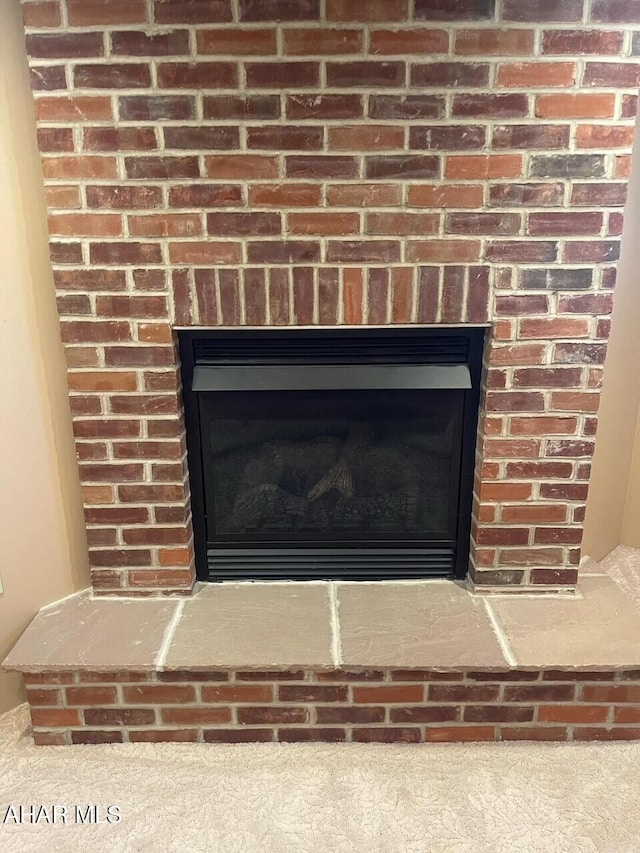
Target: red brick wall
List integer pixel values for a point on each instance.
(331, 161)
(384, 706)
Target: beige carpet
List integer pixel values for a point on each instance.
(623, 566)
(281, 798)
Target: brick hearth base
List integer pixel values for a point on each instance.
(366, 705)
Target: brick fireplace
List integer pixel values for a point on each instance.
(325, 163)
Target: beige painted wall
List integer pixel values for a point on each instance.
(614, 494)
(631, 519)
(42, 541)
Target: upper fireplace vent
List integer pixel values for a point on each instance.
(358, 346)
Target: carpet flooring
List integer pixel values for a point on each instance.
(623, 566)
(299, 798)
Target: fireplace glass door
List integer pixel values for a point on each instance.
(312, 466)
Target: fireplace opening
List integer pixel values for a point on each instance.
(331, 453)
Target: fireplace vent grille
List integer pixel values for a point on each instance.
(330, 349)
(332, 563)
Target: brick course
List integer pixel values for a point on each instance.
(374, 706)
(399, 161)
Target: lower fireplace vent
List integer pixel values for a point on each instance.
(342, 563)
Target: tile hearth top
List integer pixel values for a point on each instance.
(429, 624)
(416, 624)
(245, 624)
(603, 627)
(82, 631)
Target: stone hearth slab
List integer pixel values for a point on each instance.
(433, 623)
(600, 628)
(84, 632)
(268, 624)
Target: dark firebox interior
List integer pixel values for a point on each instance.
(331, 463)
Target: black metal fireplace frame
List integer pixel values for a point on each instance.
(401, 346)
